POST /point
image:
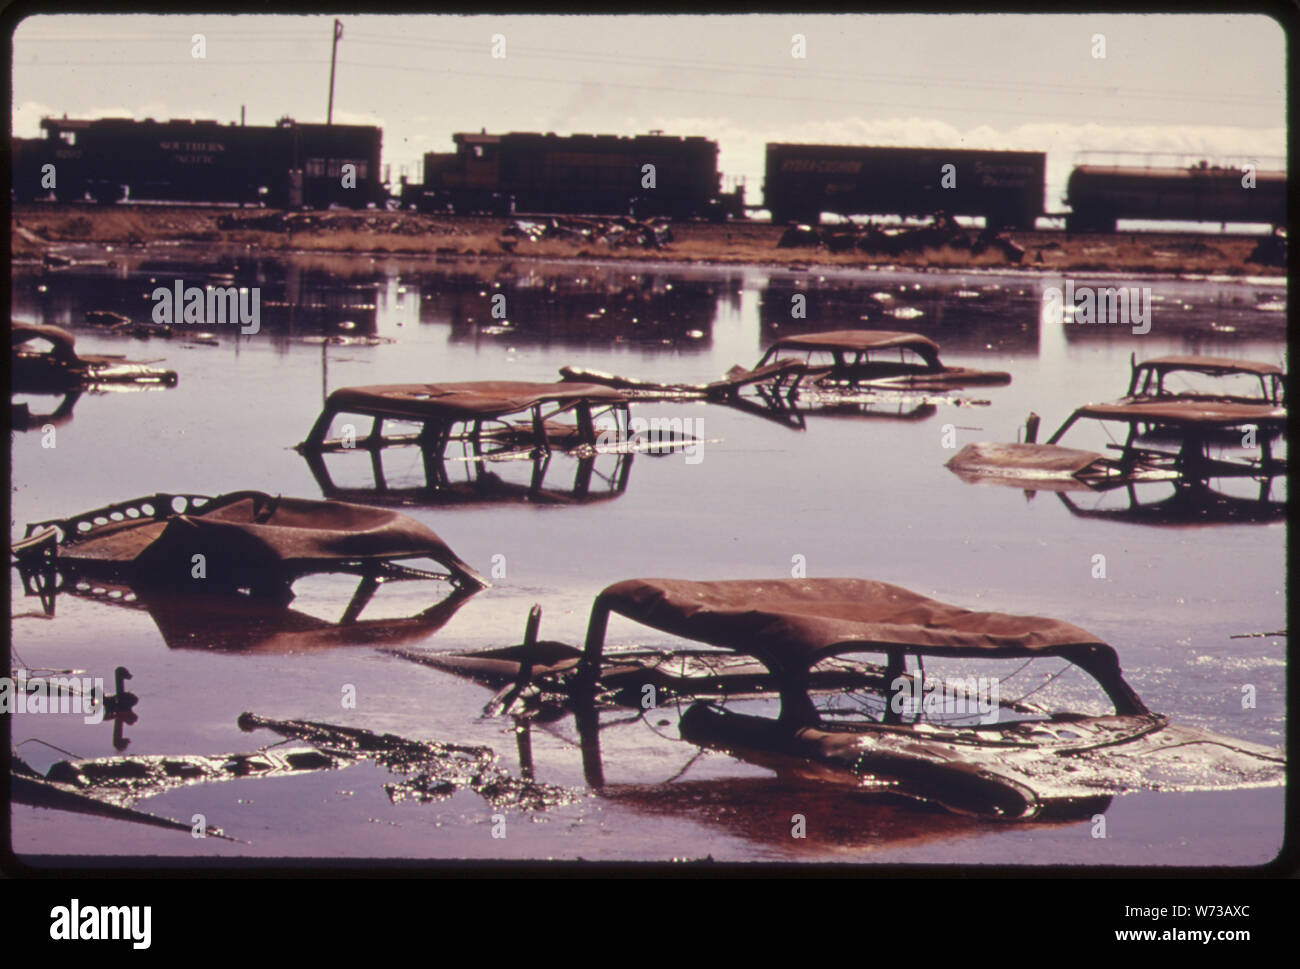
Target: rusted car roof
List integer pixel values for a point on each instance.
(62, 369)
(860, 340)
(1206, 413)
(1214, 365)
(801, 621)
(64, 343)
(249, 532)
(466, 401)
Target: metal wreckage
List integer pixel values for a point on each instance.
(464, 431)
(44, 361)
(787, 642)
(1205, 439)
(866, 371)
(428, 771)
(218, 572)
(253, 547)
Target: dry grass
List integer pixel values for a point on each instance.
(409, 235)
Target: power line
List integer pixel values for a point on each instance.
(767, 70)
(360, 38)
(1046, 114)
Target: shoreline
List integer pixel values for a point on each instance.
(40, 230)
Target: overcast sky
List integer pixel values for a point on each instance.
(1194, 84)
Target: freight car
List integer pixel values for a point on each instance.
(803, 181)
(524, 172)
(1099, 195)
(288, 165)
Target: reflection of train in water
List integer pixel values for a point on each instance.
(292, 165)
(577, 308)
(994, 318)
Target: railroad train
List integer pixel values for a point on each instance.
(291, 165)
(286, 165)
(1099, 195)
(803, 181)
(523, 172)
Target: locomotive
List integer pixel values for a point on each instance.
(803, 181)
(288, 165)
(526, 172)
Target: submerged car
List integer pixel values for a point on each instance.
(1207, 378)
(488, 417)
(1165, 440)
(789, 641)
(59, 369)
(836, 359)
(245, 544)
(484, 442)
(542, 478)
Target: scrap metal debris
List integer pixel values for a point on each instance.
(431, 770)
(251, 544)
(615, 232)
(871, 239)
(60, 368)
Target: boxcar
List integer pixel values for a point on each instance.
(803, 181)
(1101, 194)
(525, 172)
(285, 165)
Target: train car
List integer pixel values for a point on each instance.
(524, 172)
(803, 181)
(27, 157)
(285, 165)
(1099, 195)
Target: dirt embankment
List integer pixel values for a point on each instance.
(40, 229)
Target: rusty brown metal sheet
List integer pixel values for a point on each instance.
(803, 620)
(1186, 413)
(1211, 365)
(1028, 770)
(860, 340)
(475, 400)
(249, 533)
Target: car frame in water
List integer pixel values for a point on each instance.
(60, 369)
(187, 556)
(1195, 426)
(1147, 381)
(790, 640)
(844, 371)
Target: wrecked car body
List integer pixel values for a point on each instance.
(491, 417)
(792, 638)
(1224, 379)
(460, 428)
(1166, 440)
(542, 478)
(244, 544)
(59, 369)
(817, 369)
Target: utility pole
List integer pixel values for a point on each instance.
(338, 35)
